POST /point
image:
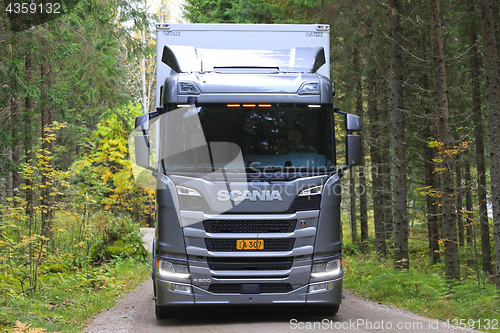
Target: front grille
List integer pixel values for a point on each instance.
(265, 288)
(227, 277)
(250, 264)
(303, 203)
(229, 245)
(249, 226)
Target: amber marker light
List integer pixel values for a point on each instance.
(248, 105)
(233, 105)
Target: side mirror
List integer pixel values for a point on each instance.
(353, 141)
(142, 122)
(353, 149)
(352, 123)
(142, 151)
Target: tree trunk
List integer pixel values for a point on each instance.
(492, 107)
(46, 120)
(401, 258)
(468, 204)
(431, 182)
(460, 201)
(144, 93)
(363, 199)
(28, 142)
(452, 264)
(376, 165)
(477, 118)
(9, 110)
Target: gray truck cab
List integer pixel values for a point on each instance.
(247, 183)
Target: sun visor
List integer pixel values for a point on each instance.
(183, 59)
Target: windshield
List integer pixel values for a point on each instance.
(265, 136)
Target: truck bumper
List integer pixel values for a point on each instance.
(167, 297)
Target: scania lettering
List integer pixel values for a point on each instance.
(246, 167)
(224, 195)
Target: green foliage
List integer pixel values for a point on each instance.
(68, 299)
(233, 11)
(118, 237)
(421, 289)
(102, 177)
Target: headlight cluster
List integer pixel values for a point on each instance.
(187, 191)
(311, 191)
(172, 269)
(311, 88)
(327, 268)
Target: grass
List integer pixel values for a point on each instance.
(67, 300)
(422, 289)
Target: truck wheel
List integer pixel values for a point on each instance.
(166, 312)
(325, 310)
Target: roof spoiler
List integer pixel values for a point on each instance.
(185, 59)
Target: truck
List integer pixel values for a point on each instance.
(247, 173)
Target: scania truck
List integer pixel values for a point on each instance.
(243, 149)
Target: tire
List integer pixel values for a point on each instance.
(166, 312)
(324, 310)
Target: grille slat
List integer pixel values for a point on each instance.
(312, 202)
(227, 277)
(249, 226)
(229, 245)
(265, 288)
(250, 264)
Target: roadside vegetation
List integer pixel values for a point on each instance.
(423, 288)
(58, 277)
(69, 296)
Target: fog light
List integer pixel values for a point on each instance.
(317, 287)
(181, 288)
(314, 288)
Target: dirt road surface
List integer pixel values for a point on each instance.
(135, 313)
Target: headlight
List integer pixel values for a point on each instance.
(172, 269)
(309, 89)
(187, 191)
(188, 88)
(327, 268)
(311, 191)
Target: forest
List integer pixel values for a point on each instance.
(423, 75)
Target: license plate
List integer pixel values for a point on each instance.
(249, 244)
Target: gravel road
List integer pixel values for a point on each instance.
(135, 313)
